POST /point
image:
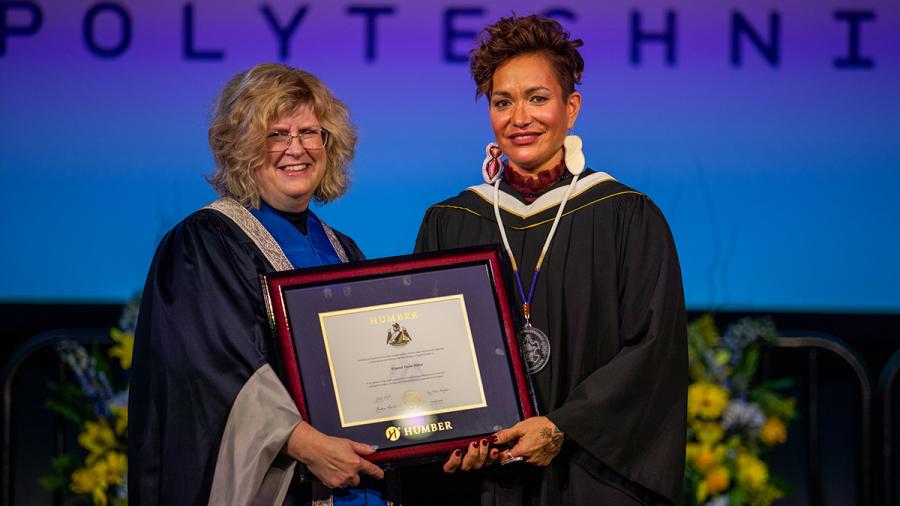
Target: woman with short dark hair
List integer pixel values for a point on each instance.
(599, 286)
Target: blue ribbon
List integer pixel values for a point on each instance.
(312, 250)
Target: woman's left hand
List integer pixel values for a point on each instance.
(538, 440)
(478, 455)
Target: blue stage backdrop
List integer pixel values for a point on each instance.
(769, 133)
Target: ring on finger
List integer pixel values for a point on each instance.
(509, 459)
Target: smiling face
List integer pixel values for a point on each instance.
(288, 179)
(529, 114)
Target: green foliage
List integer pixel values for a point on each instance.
(745, 371)
(69, 401)
(62, 467)
(101, 364)
(774, 405)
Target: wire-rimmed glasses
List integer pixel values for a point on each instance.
(313, 138)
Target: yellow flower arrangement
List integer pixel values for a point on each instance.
(97, 438)
(123, 348)
(121, 413)
(773, 432)
(707, 432)
(87, 479)
(732, 423)
(116, 467)
(691, 451)
(705, 459)
(766, 495)
(718, 480)
(102, 414)
(92, 480)
(752, 473)
(714, 483)
(706, 400)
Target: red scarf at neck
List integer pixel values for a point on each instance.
(532, 187)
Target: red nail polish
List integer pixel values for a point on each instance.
(494, 438)
(457, 453)
(484, 442)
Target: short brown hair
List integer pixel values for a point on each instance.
(241, 116)
(515, 36)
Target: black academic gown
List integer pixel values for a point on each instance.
(202, 334)
(611, 301)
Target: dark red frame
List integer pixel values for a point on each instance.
(275, 283)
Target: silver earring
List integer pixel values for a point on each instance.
(492, 169)
(574, 157)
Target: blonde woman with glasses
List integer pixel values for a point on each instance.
(211, 422)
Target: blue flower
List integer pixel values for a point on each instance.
(129, 316)
(721, 500)
(742, 416)
(95, 384)
(120, 400)
(744, 333)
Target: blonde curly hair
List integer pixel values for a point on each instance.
(242, 113)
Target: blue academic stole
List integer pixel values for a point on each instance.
(312, 250)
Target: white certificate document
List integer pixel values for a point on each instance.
(402, 360)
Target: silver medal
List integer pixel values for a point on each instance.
(534, 344)
(535, 348)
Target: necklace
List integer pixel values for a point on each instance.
(534, 341)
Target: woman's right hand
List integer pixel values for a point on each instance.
(478, 454)
(337, 462)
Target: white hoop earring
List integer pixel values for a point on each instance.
(574, 157)
(492, 169)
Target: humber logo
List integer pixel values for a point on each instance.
(392, 433)
(425, 429)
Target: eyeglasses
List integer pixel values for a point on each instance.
(309, 139)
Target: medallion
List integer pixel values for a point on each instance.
(535, 348)
(534, 342)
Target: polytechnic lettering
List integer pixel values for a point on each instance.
(652, 31)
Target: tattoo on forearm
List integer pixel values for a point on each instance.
(554, 440)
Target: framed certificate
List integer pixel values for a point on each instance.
(414, 355)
